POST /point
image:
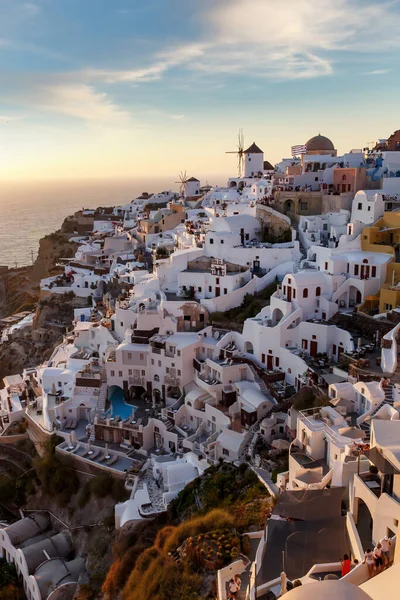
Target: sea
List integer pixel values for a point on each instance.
(31, 210)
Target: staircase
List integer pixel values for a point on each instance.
(388, 400)
(114, 335)
(259, 381)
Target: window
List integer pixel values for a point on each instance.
(167, 370)
(143, 373)
(129, 355)
(222, 241)
(318, 291)
(359, 207)
(305, 344)
(373, 272)
(217, 281)
(314, 337)
(325, 226)
(211, 241)
(355, 269)
(209, 288)
(344, 178)
(388, 307)
(141, 356)
(277, 362)
(334, 349)
(348, 267)
(369, 208)
(305, 293)
(294, 292)
(179, 373)
(303, 205)
(130, 372)
(112, 373)
(121, 324)
(289, 281)
(159, 363)
(156, 378)
(178, 353)
(156, 430)
(326, 266)
(120, 374)
(225, 451)
(199, 289)
(225, 290)
(152, 361)
(213, 419)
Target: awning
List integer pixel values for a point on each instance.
(383, 465)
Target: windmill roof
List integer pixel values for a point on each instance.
(253, 149)
(193, 179)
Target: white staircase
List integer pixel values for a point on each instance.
(388, 400)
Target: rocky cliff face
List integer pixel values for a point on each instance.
(20, 291)
(19, 288)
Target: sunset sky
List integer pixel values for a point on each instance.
(129, 88)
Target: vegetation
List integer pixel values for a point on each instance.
(10, 584)
(162, 252)
(55, 478)
(249, 308)
(101, 486)
(307, 398)
(269, 235)
(178, 559)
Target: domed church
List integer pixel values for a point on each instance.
(320, 145)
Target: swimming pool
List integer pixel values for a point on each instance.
(119, 408)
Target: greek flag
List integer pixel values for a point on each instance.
(299, 149)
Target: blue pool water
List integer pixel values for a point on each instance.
(119, 408)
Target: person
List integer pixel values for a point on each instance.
(386, 543)
(369, 560)
(346, 564)
(234, 587)
(378, 557)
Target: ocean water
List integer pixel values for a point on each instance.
(29, 211)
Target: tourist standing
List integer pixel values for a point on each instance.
(370, 561)
(346, 565)
(386, 543)
(378, 557)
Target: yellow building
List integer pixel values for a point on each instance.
(384, 236)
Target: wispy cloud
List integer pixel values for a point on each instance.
(76, 100)
(378, 72)
(296, 41)
(31, 9)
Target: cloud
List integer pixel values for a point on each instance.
(269, 39)
(378, 72)
(77, 100)
(31, 9)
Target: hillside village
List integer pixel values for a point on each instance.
(253, 326)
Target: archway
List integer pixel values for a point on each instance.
(276, 316)
(363, 520)
(233, 184)
(248, 348)
(289, 206)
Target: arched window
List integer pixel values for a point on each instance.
(156, 378)
(365, 261)
(318, 291)
(305, 293)
(344, 178)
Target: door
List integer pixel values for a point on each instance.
(217, 291)
(270, 364)
(313, 348)
(263, 358)
(358, 297)
(289, 294)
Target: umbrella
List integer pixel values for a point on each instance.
(280, 444)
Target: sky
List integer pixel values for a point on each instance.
(145, 88)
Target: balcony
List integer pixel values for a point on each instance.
(136, 380)
(171, 380)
